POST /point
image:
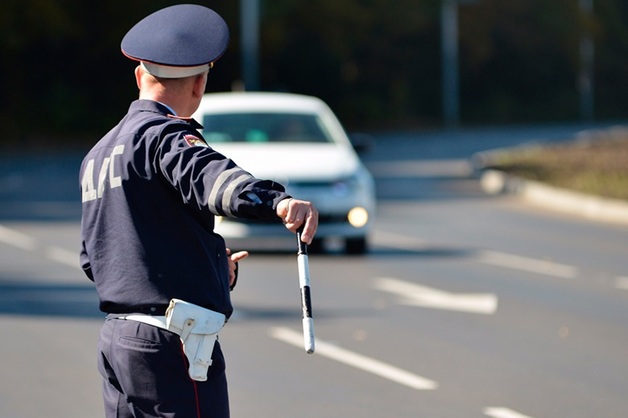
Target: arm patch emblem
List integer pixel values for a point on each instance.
(195, 141)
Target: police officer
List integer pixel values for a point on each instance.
(150, 189)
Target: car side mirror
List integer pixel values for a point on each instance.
(361, 143)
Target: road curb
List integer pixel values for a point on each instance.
(590, 207)
(496, 182)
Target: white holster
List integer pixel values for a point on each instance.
(198, 328)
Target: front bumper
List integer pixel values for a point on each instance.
(328, 227)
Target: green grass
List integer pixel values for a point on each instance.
(597, 166)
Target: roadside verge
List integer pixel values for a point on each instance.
(497, 182)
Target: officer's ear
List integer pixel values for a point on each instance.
(200, 81)
(138, 77)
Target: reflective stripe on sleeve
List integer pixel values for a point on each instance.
(228, 193)
(220, 197)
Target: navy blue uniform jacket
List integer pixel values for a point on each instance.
(150, 189)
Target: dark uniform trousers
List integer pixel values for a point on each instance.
(146, 375)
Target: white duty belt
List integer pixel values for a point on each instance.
(197, 327)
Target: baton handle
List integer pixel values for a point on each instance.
(301, 246)
(306, 300)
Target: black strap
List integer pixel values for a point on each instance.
(155, 310)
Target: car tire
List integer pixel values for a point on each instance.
(355, 246)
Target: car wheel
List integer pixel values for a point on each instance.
(355, 246)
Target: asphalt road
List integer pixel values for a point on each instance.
(466, 306)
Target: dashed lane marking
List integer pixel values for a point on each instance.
(63, 256)
(531, 265)
(427, 297)
(17, 239)
(356, 360)
(404, 242)
(28, 243)
(495, 412)
(495, 258)
(376, 367)
(621, 283)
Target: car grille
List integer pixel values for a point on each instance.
(322, 219)
(311, 184)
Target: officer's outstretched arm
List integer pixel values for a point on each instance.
(296, 213)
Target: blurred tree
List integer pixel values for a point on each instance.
(520, 60)
(610, 28)
(376, 62)
(372, 60)
(62, 73)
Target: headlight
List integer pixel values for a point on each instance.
(358, 217)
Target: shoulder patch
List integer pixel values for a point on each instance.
(194, 141)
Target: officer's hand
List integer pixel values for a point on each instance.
(233, 265)
(294, 213)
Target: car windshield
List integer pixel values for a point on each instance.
(264, 127)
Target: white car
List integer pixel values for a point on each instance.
(297, 141)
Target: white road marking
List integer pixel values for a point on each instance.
(495, 412)
(28, 243)
(17, 239)
(621, 282)
(495, 258)
(393, 240)
(63, 256)
(527, 264)
(358, 361)
(427, 297)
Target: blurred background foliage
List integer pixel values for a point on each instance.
(376, 62)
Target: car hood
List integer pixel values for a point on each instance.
(291, 162)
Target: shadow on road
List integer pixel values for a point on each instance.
(51, 300)
(40, 187)
(248, 313)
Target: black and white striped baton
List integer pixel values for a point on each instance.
(306, 302)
